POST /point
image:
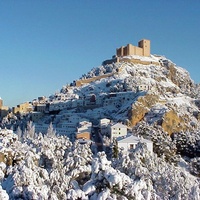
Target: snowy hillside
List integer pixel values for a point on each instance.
(115, 88)
(154, 98)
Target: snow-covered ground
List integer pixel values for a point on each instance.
(51, 167)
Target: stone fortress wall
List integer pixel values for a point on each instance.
(143, 49)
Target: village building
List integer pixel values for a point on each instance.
(143, 87)
(130, 142)
(90, 100)
(66, 128)
(42, 99)
(104, 125)
(41, 128)
(35, 116)
(40, 107)
(118, 130)
(23, 108)
(84, 130)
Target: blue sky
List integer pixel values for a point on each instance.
(45, 44)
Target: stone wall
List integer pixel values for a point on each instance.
(141, 107)
(81, 82)
(143, 49)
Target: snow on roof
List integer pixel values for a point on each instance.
(119, 125)
(132, 139)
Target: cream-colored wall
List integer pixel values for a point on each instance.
(85, 135)
(118, 132)
(22, 108)
(143, 49)
(145, 45)
(120, 51)
(138, 51)
(130, 50)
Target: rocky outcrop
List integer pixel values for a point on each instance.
(179, 77)
(141, 107)
(172, 123)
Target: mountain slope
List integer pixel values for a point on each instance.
(157, 91)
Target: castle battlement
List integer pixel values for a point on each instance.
(143, 49)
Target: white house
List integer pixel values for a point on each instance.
(143, 87)
(35, 116)
(104, 125)
(41, 127)
(118, 130)
(130, 142)
(84, 130)
(66, 128)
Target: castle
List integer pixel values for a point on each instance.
(143, 49)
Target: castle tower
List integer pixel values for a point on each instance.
(120, 51)
(145, 45)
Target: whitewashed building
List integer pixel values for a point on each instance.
(41, 128)
(143, 87)
(130, 142)
(118, 130)
(84, 130)
(35, 116)
(104, 125)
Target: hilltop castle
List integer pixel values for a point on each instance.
(143, 49)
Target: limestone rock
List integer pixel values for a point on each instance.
(172, 123)
(141, 107)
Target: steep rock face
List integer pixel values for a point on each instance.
(172, 123)
(2, 157)
(141, 107)
(179, 77)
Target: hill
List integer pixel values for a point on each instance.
(156, 99)
(159, 93)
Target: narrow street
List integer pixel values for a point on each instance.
(97, 137)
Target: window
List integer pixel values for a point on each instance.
(131, 146)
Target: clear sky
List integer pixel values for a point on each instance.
(45, 44)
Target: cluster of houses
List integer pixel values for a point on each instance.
(119, 132)
(75, 127)
(69, 100)
(88, 101)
